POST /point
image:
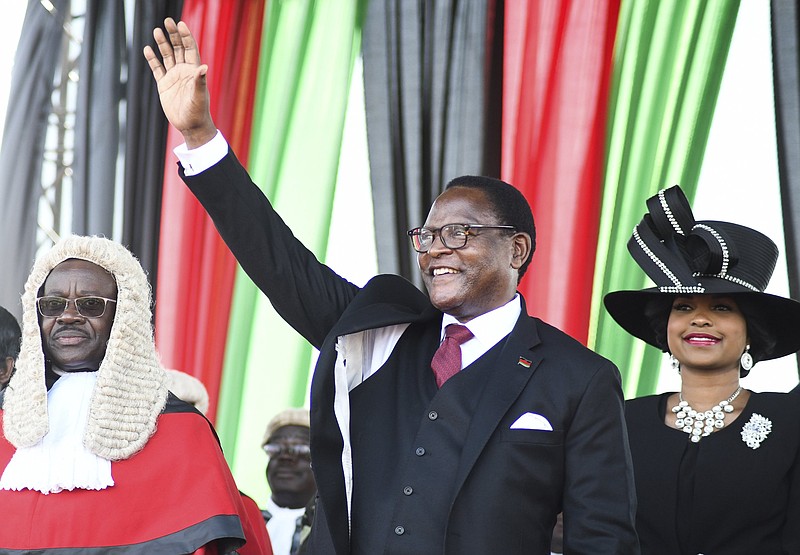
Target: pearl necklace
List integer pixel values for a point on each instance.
(700, 424)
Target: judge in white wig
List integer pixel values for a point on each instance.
(188, 388)
(94, 451)
(129, 375)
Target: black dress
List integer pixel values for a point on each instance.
(718, 496)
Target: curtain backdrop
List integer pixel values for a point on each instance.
(668, 65)
(599, 104)
(558, 65)
(785, 66)
(146, 138)
(29, 107)
(97, 125)
(430, 69)
(307, 56)
(196, 270)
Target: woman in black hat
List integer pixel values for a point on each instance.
(717, 467)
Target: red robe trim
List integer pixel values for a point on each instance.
(176, 495)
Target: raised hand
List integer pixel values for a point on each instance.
(181, 80)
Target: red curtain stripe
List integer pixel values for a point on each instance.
(556, 87)
(196, 269)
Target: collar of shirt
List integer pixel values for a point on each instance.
(488, 329)
(282, 526)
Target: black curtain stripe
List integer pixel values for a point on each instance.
(97, 118)
(146, 140)
(29, 106)
(786, 63)
(432, 83)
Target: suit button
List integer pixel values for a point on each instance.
(408, 490)
(420, 451)
(399, 530)
(433, 415)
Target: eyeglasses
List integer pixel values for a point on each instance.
(453, 236)
(297, 451)
(88, 307)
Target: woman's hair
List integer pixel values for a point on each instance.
(657, 313)
(761, 340)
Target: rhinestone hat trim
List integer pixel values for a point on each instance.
(723, 273)
(678, 287)
(683, 289)
(723, 245)
(668, 212)
(656, 260)
(732, 279)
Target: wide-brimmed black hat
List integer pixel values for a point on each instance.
(687, 257)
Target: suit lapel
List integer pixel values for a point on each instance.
(516, 363)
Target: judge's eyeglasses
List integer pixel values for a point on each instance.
(88, 307)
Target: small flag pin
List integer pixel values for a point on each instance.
(524, 362)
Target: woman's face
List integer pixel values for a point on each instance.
(706, 332)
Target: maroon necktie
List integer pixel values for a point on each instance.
(446, 361)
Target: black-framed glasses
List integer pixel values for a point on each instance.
(453, 236)
(299, 450)
(88, 307)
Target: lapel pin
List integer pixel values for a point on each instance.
(524, 362)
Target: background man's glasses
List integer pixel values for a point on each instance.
(88, 307)
(276, 450)
(453, 236)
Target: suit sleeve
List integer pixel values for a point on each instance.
(307, 294)
(599, 502)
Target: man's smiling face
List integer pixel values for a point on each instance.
(479, 277)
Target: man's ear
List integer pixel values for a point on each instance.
(6, 368)
(522, 250)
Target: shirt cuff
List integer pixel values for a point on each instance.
(199, 159)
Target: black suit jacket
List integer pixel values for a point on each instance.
(511, 483)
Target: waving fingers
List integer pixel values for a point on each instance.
(189, 47)
(154, 63)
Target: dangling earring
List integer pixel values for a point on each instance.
(676, 364)
(747, 359)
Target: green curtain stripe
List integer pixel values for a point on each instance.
(669, 60)
(306, 62)
(236, 349)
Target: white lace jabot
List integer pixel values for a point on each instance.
(60, 461)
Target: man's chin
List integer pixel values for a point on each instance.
(445, 303)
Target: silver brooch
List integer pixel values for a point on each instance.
(756, 430)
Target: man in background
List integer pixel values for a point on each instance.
(193, 391)
(9, 345)
(290, 507)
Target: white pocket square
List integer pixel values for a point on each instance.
(532, 421)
